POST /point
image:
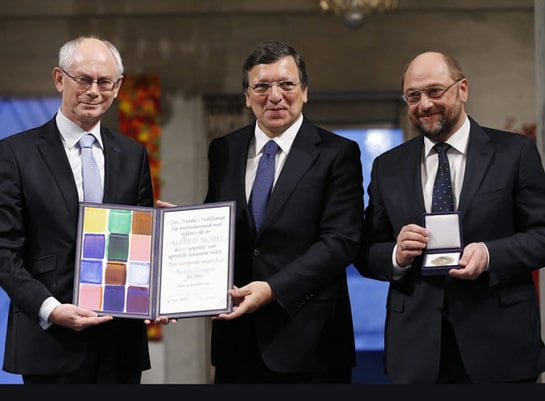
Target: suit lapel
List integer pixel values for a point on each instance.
(242, 147)
(302, 154)
(54, 156)
(112, 165)
(479, 156)
(410, 176)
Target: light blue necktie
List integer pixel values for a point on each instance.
(263, 182)
(92, 186)
(442, 200)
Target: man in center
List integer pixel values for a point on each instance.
(292, 320)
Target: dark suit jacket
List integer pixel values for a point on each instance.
(310, 234)
(38, 219)
(495, 317)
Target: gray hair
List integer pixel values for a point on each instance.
(66, 53)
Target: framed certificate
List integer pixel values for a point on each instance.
(144, 262)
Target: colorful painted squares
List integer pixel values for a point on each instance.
(115, 260)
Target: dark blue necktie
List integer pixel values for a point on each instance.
(263, 182)
(442, 200)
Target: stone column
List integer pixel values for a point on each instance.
(539, 18)
(182, 356)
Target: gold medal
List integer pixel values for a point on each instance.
(442, 261)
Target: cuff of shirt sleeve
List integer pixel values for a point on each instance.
(45, 310)
(398, 271)
(487, 255)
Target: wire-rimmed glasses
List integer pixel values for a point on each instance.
(432, 92)
(262, 88)
(85, 82)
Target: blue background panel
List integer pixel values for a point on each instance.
(17, 115)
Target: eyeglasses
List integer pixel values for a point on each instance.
(85, 82)
(263, 88)
(432, 92)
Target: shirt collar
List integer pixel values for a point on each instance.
(71, 133)
(458, 140)
(284, 140)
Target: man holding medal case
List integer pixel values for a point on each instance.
(475, 319)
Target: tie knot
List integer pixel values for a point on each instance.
(441, 147)
(86, 141)
(271, 148)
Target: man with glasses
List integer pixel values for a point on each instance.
(292, 319)
(49, 339)
(479, 321)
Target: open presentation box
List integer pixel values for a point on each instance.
(445, 243)
(145, 262)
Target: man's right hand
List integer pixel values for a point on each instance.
(76, 318)
(411, 241)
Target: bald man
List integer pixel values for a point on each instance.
(479, 322)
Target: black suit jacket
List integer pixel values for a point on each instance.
(495, 317)
(309, 235)
(38, 219)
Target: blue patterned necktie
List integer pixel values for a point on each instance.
(442, 200)
(263, 182)
(92, 186)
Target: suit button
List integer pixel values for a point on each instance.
(257, 252)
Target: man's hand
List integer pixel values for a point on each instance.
(473, 262)
(411, 241)
(160, 320)
(247, 299)
(76, 318)
(160, 203)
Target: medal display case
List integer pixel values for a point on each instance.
(445, 243)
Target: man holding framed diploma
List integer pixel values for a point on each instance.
(291, 320)
(46, 172)
(456, 224)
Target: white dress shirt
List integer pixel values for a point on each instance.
(70, 135)
(284, 141)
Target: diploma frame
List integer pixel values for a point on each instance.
(144, 262)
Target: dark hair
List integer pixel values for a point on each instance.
(268, 52)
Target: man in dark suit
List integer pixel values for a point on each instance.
(50, 340)
(292, 320)
(479, 322)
